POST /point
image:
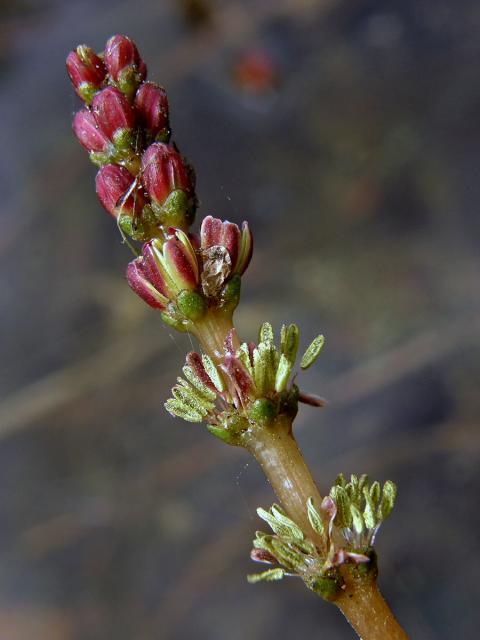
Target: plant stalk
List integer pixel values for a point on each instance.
(211, 332)
(276, 450)
(364, 607)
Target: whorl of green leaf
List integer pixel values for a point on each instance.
(312, 352)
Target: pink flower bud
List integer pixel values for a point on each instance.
(140, 283)
(86, 70)
(170, 269)
(164, 171)
(180, 263)
(115, 188)
(151, 106)
(113, 112)
(127, 70)
(239, 244)
(88, 133)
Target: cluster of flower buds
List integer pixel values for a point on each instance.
(248, 386)
(347, 520)
(184, 275)
(143, 181)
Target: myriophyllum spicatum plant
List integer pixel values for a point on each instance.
(246, 392)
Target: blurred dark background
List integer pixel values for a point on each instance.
(347, 132)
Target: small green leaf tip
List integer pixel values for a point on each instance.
(280, 523)
(388, 500)
(269, 575)
(289, 339)
(315, 518)
(266, 333)
(213, 373)
(312, 353)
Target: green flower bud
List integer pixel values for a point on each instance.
(191, 304)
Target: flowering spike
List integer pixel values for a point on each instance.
(151, 107)
(124, 64)
(87, 72)
(311, 354)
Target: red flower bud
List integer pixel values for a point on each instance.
(86, 70)
(115, 187)
(127, 70)
(151, 106)
(113, 112)
(164, 171)
(164, 272)
(140, 283)
(88, 133)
